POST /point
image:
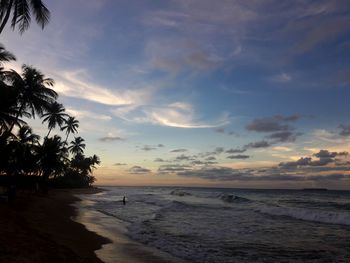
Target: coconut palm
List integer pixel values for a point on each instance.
(52, 156)
(25, 135)
(21, 11)
(8, 96)
(77, 146)
(71, 126)
(34, 92)
(26, 146)
(5, 56)
(55, 115)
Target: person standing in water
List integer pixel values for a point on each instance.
(124, 201)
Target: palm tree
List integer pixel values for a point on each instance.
(71, 126)
(52, 156)
(25, 135)
(34, 92)
(77, 146)
(54, 116)
(8, 96)
(21, 13)
(92, 161)
(5, 56)
(27, 144)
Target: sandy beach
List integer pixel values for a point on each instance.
(39, 229)
(59, 227)
(121, 249)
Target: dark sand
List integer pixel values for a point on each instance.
(39, 229)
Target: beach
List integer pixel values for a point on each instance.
(167, 224)
(170, 224)
(40, 229)
(60, 227)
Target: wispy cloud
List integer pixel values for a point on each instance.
(281, 78)
(75, 84)
(83, 114)
(178, 114)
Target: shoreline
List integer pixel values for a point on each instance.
(40, 228)
(121, 248)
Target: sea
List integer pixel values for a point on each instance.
(221, 225)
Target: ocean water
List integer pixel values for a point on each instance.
(234, 225)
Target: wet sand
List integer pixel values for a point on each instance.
(122, 249)
(40, 229)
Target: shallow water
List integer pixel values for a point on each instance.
(233, 225)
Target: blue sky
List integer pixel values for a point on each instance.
(145, 78)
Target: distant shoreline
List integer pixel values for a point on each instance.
(39, 229)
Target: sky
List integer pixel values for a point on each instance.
(200, 92)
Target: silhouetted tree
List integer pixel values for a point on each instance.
(21, 13)
(34, 94)
(53, 156)
(77, 146)
(54, 115)
(71, 126)
(5, 56)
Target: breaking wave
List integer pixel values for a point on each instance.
(323, 216)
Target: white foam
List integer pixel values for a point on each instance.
(330, 217)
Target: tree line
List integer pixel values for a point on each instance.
(25, 158)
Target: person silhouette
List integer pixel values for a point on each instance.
(124, 201)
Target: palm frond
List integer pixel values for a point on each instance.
(42, 14)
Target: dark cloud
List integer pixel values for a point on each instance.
(344, 130)
(258, 144)
(238, 156)
(300, 162)
(138, 170)
(159, 160)
(148, 148)
(324, 158)
(273, 124)
(223, 131)
(173, 168)
(325, 167)
(179, 150)
(119, 164)
(199, 162)
(233, 133)
(284, 136)
(184, 157)
(217, 150)
(231, 174)
(236, 150)
(210, 158)
(328, 154)
(151, 147)
(220, 130)
(110, 139)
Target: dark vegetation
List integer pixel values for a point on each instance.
(26, 160)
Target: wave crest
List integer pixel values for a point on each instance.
(330, 217)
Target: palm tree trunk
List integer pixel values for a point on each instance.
(7, 16)
(16, 118)
(66, 138)
(48, 133)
